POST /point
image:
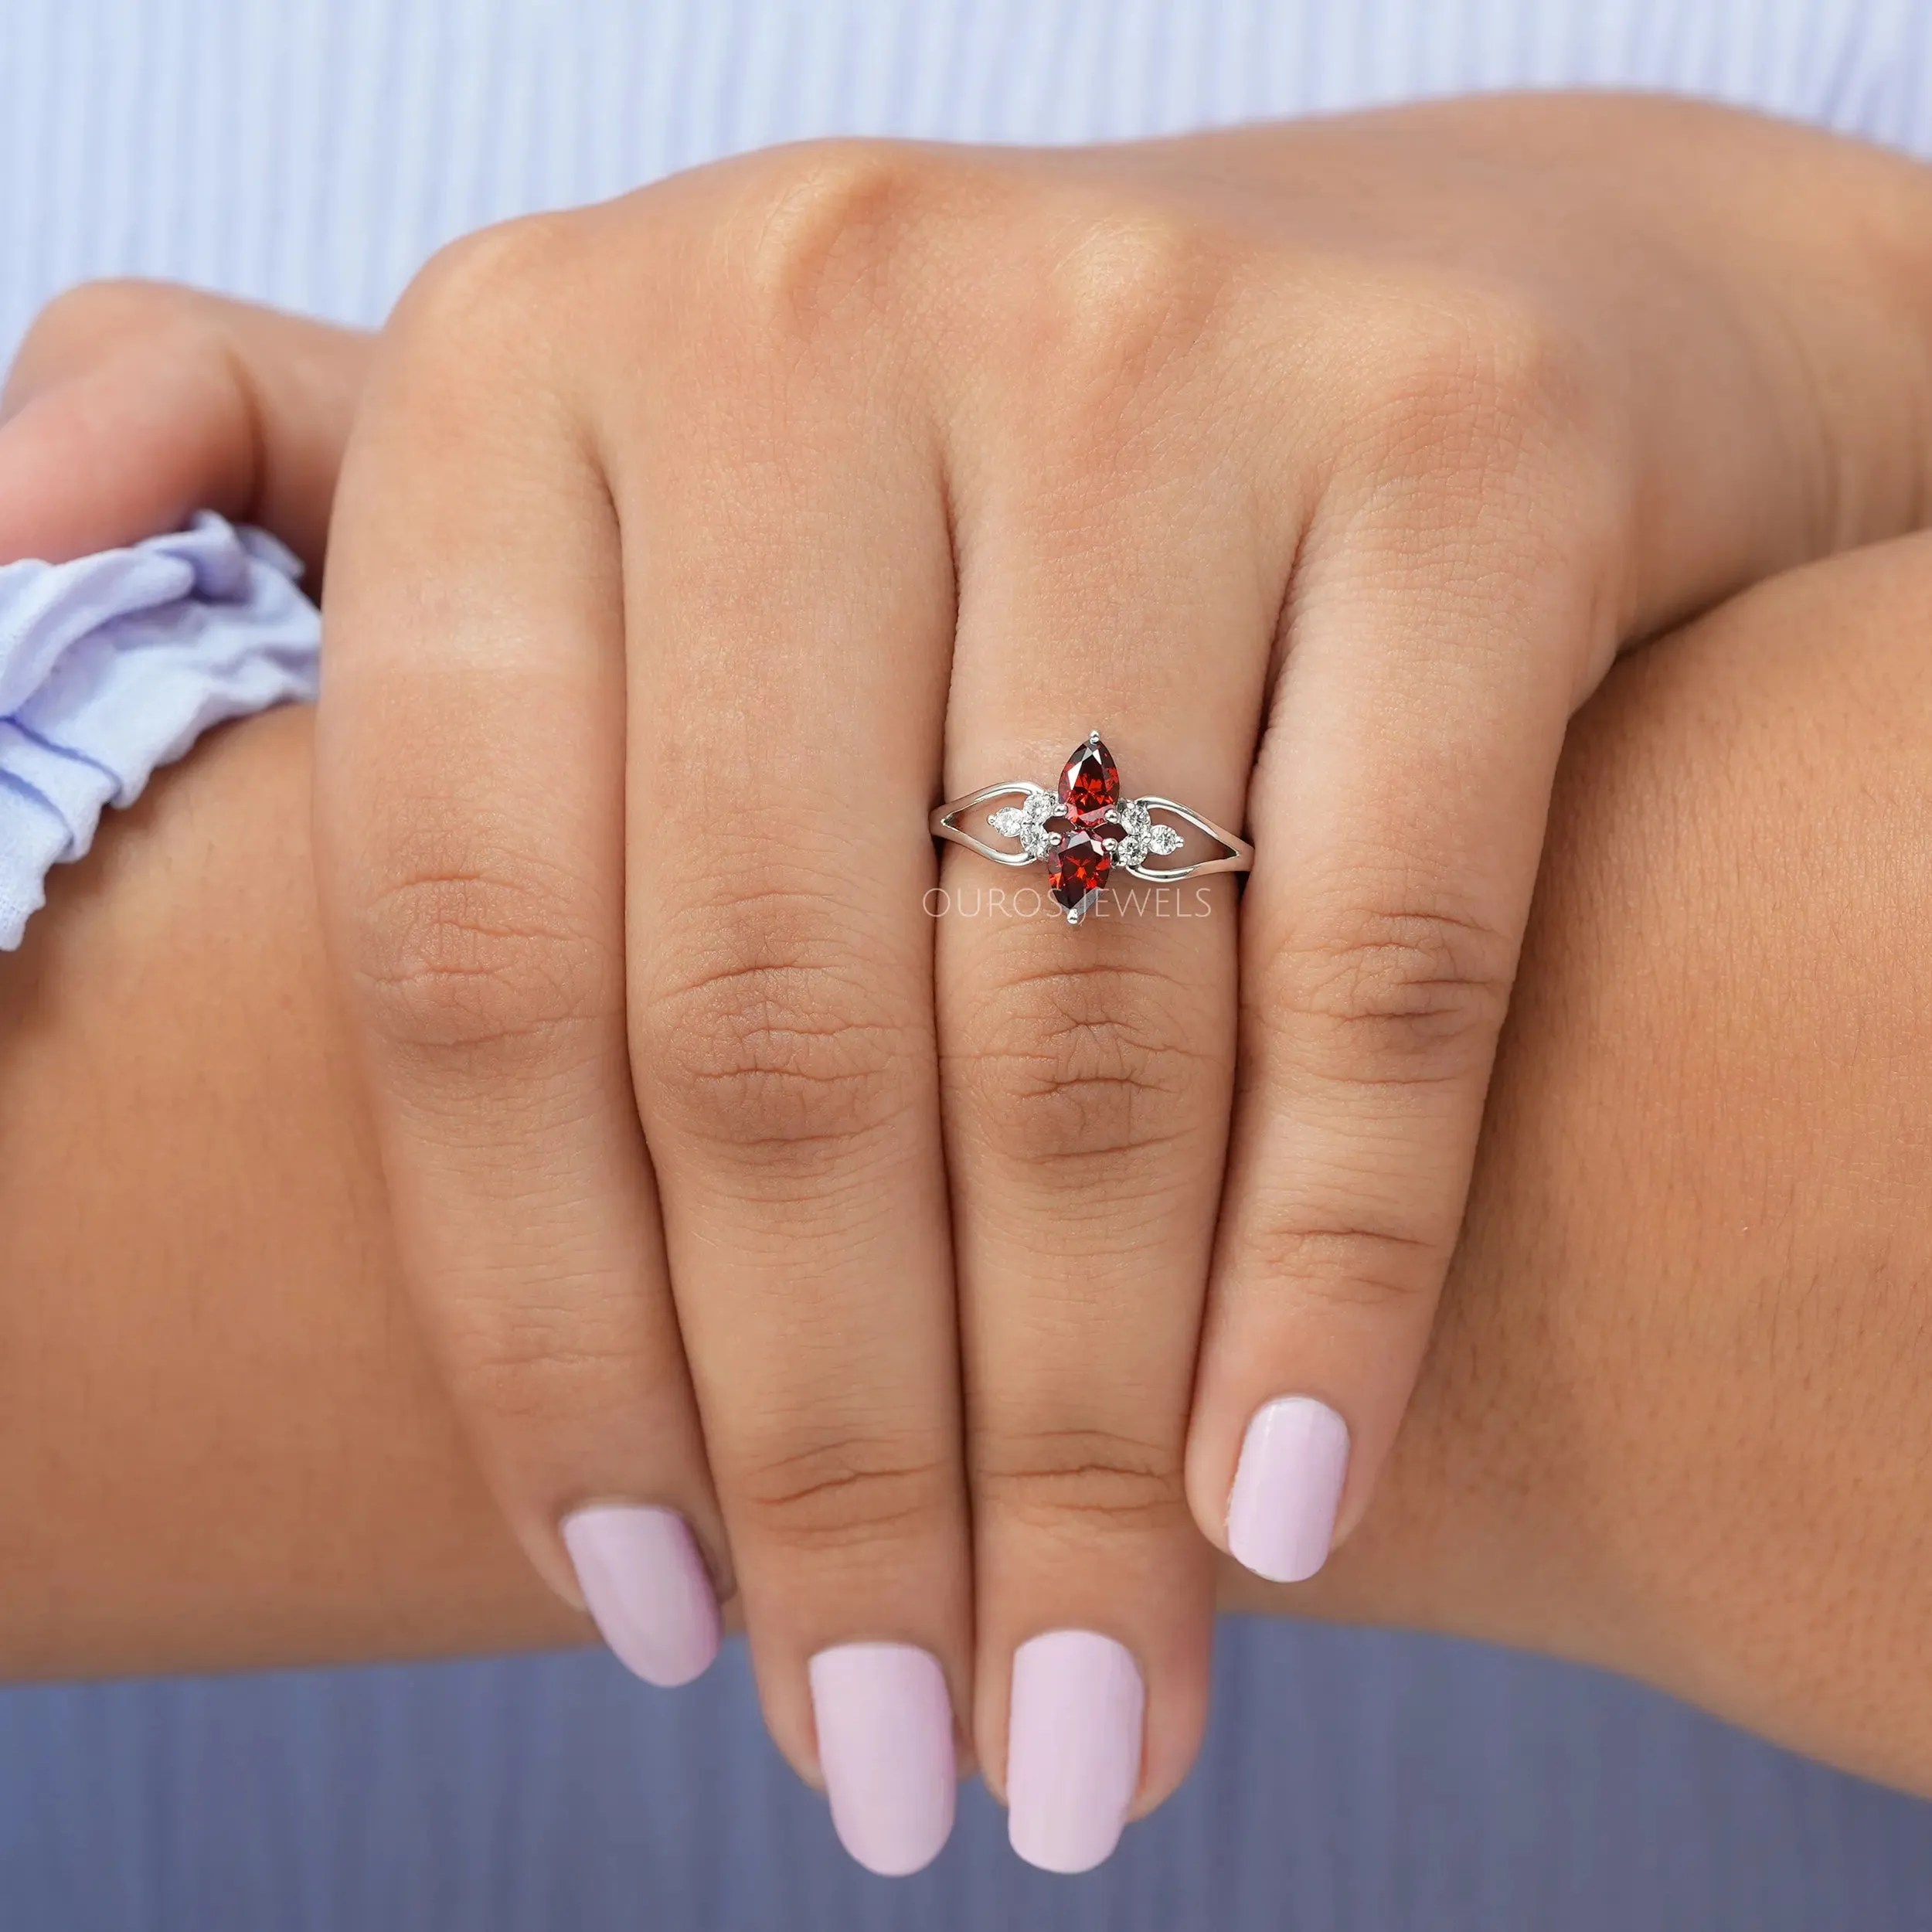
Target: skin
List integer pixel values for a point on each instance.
(1670, 1421)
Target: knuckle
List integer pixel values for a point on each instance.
(1134, 286)
(778, 1040)
(1081, 1479)
(845, 1492)
(1073, 1066)
(484, 290)
(100, 322)
(110, 311)
(1475, 380)
(463, 952)
(815, 234)
(1125, 311)
(1393, 996)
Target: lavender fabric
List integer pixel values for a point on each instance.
(114, 665)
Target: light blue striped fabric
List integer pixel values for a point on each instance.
(312, 152)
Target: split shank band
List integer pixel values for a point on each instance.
(1086, 828)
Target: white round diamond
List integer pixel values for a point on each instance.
(1033, 833)
(1140, 838)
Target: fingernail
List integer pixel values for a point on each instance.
(645, 1585)
(885, 1746)
(1072, 1748)
(1287, 1487)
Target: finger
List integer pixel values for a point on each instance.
(1397, 807)
(470, 809)
(131, 405)
(1524, 473)
(1088, 1074)
(792, 591)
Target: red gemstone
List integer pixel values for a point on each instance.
(1078, 869)
(1091, 783)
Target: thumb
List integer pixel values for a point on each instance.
(132, 404)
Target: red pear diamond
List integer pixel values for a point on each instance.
(1077, 871)
(1091, 783)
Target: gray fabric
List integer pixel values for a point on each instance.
(1355, 1782)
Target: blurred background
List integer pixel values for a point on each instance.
(1354, 1781)
(312, 153)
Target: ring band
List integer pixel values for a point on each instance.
(1082, 831)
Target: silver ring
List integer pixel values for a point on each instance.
(1082, 830)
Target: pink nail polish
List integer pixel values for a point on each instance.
(1073, 1748)
(885, 1746)
(1287, 1487)
(645, 1584)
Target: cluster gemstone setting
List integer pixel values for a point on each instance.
(1083, 830)
(1140, 837)
(1027, 822)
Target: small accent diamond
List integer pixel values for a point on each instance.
(1034, 837)
(1026, 821)
(1141, 837)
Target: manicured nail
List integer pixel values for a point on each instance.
(885, 1746)
(1287, 1487)
(645, 1584)
(1073, 1748)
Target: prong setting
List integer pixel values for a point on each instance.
(1098, 830)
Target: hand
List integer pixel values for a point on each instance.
(1672, 1418)
(689, 547)
(132, 404)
